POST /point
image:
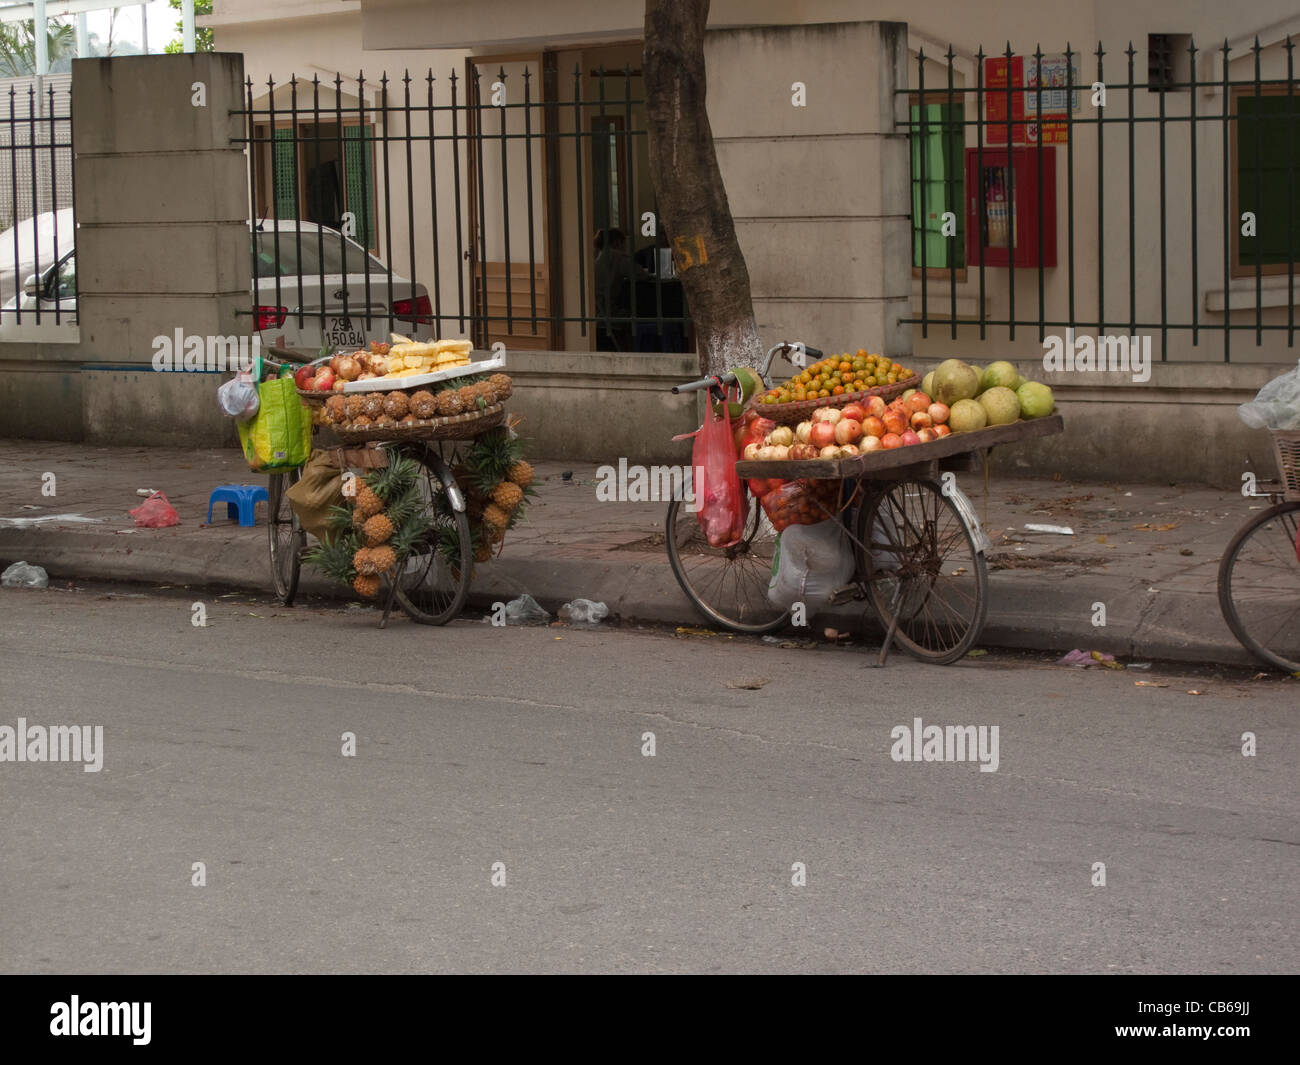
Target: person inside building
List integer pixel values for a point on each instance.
(615, 276)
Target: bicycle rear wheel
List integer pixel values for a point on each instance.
(286, 537)
(1259, 587)
(924, 569)
(727, 585)
(434, 581)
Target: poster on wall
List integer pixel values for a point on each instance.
(1026, 124)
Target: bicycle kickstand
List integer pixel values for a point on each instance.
(889, 632)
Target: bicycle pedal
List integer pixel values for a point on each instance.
(843, 595)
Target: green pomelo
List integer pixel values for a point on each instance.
(1000, 374)
(967, 415)
(1036, 400)
(954, 381)
(927, 384)
(1001, 405)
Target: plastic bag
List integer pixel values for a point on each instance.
(279, 438)
(21, 575)
(1276, 406)
(238, 397)
(526, 611)
(719, 497)
(584, 611)
(814, 562)
(802, 502)
(155, 513)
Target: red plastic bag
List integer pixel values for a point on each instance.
(802, 502)
(719, 497)
(155, 513)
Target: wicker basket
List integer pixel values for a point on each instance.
(457, 427)
(794, 413)
(1286, 442)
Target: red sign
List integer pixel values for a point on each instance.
(1023, 98)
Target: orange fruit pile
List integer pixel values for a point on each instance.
(838, 375)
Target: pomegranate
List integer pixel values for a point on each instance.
(921, 419)
(827, 414)
(926, 435)
(822, 435)
(876, 406)
(942, 430)
(870, 443)
(854, 411)
(890, 441)
(938, 413)
(918, 401)
(847, 431)
(895, 421)
(909, 438)
(873, 426)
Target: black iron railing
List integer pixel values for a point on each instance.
(474, 204)
(1134, 134)
(37, 257)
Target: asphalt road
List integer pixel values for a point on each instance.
(478, 745)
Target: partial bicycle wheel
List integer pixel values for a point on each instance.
(922, 566)
(1259, 587)
(728, 585)
(434, 581)
(287, 539)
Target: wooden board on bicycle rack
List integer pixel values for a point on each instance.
(895, 463)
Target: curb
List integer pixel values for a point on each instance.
(1026, 612)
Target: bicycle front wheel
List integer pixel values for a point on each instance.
(1259, 587)
(728, 585)
(923, 569)
(286, 537)
(434, 580)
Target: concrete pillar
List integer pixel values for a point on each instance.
(814, 152)
(162, 240)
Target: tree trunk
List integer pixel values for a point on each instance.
(688, 185)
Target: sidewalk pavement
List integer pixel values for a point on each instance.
(1148, 552)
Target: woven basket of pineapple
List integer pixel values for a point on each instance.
(455, 427)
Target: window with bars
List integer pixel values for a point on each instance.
(938, 180)
(1267, 164)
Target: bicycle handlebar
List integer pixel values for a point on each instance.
(801, 351)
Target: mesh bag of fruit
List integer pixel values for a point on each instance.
(802, 502)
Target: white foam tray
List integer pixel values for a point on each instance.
(415, 380)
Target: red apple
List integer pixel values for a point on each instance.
(876, 406)
(921, 420)
(873, 426)
(848, 431)
(938, 413)
(926, 435)
(918, 401)
(890, 441)
(854, 411)
(909, 438)
(822, 434)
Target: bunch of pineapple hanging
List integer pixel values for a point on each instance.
(385, 520)
(499, 484)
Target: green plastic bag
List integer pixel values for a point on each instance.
(279, 437)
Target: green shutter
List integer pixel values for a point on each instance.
(941, 147)
(1268, 143)
(359, 181)
(284, 173)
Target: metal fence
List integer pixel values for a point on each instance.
(1175, 184)
(37, 261)
(473, 204)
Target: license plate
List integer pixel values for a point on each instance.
(343, 333)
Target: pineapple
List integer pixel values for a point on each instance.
(365, 585)
(378, 530)
(495, 518)
(501, 385)
(507, 495)
(368, 502)
(422, 404)
(521, 473)
(449, 403)
(396, 405)
(383, 558)
(364, 562)
(483, 553)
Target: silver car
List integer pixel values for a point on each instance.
(305, 299)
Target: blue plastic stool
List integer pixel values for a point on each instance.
(241, 501)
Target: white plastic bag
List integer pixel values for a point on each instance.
(1277, 406)
(238, 397)
(815, 561)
